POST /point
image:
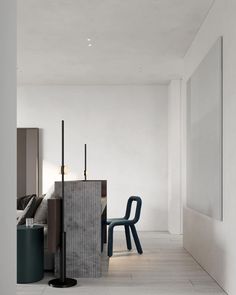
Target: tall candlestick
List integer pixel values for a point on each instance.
(85, 161)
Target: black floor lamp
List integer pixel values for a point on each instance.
(62, 281)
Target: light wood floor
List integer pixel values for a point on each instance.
(164, 268)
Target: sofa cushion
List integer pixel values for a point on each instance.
(42, 211)
(19, 213)
(38, 201)
(27, 213)
(22, 202)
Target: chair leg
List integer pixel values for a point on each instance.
(136, 239)
(127, 235)
(110, 240)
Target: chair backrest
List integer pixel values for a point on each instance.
(138, 208)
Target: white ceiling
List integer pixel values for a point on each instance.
(133, 41)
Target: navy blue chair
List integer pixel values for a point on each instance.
(128, 224)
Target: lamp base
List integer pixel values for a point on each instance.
(58, 283)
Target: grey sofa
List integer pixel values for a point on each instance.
(52, 226)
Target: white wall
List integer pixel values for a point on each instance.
(8, 146)
(174, 158)
(125, 128)
(211, 242)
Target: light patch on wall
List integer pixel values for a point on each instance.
(204, 135)
(51, 173)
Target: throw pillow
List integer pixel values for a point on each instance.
(19, 213)
(41, 213)
(27, 213)
(38, 201)
(22, 202)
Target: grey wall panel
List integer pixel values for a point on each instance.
(204, 135)
(21, 162)
(27, 161)
(32, 159)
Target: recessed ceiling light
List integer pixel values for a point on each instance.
(89, 45)
(89, 39)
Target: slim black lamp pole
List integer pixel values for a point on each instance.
(85, 161)
(63, 281)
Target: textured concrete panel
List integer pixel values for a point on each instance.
(83, 209)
